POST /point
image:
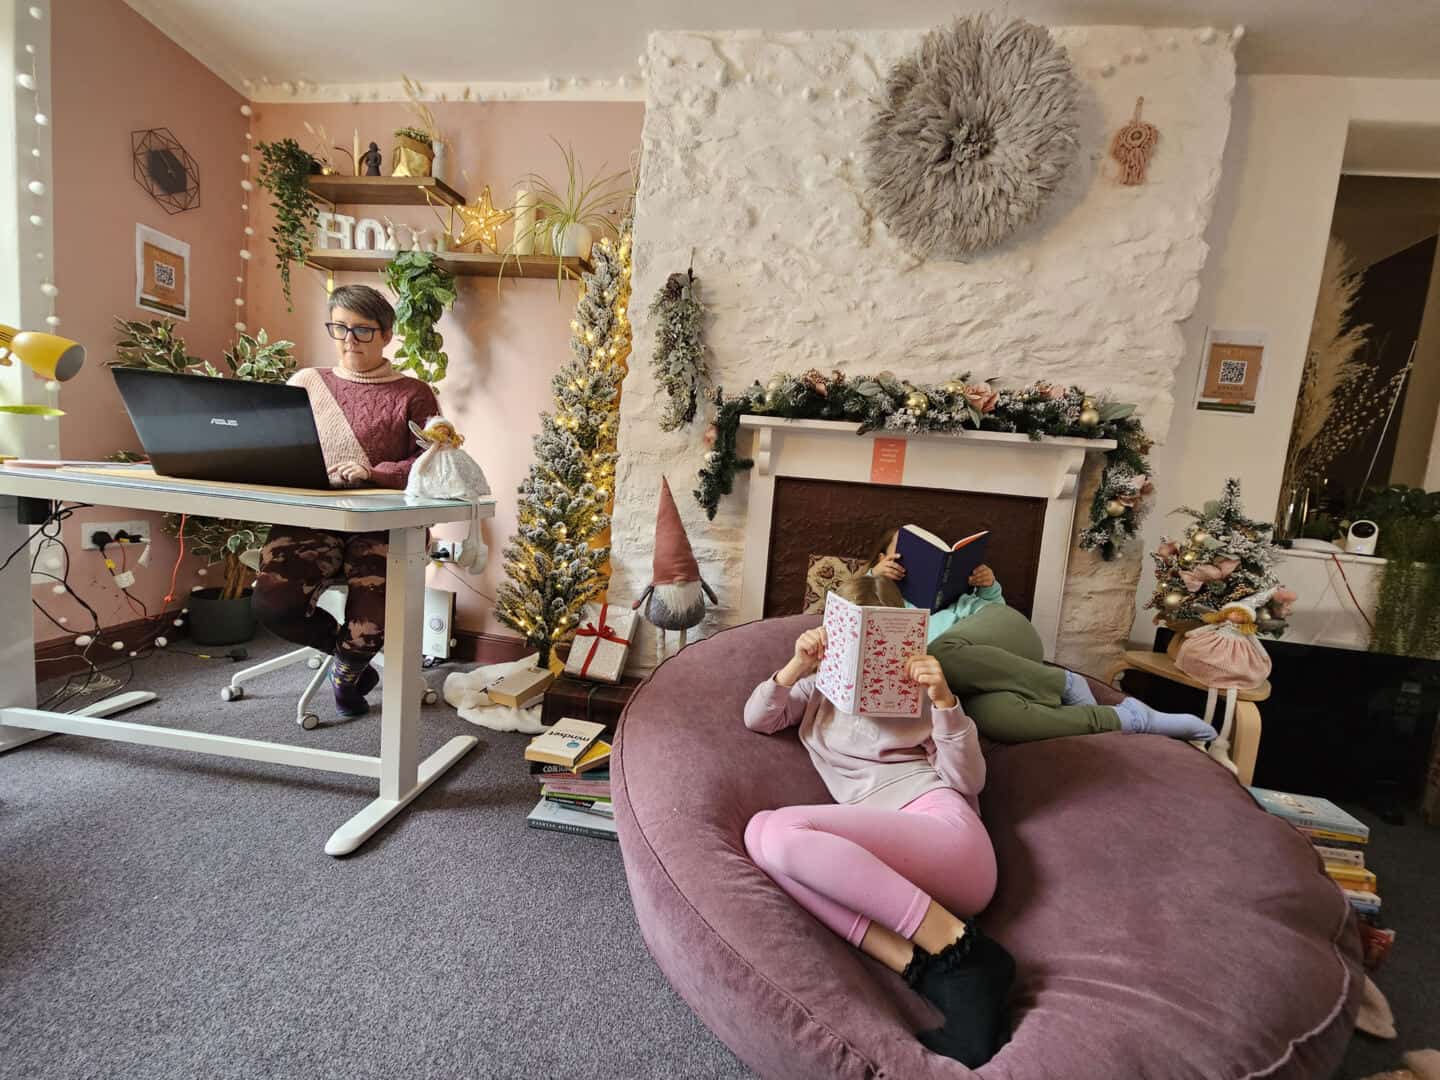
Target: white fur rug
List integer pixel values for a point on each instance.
(465, 692)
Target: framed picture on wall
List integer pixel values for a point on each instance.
(162, 273)
(1230, 371)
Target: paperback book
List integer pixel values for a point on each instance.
(565, 743)
(867, 649)
(1311, 814)
(551, 815)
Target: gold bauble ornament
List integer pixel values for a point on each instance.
(1089, 416)
(1087, 403)
(1174, 600)
(917, 403)
(1114, 508)
(953, 386)
(1188, 558)
(1200, 536)
(481, 219)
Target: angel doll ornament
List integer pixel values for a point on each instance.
(1227, 655)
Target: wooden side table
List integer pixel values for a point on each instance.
(1239, 741)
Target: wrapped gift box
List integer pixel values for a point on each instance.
(601, 644)
(588, 700)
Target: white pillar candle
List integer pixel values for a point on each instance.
(355, 145)
(524, 241)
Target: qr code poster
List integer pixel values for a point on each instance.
(162, 273)
(1230, 373)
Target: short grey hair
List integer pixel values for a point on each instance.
(363, 300)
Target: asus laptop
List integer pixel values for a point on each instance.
(199, 428)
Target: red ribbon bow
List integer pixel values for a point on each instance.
(604, 633)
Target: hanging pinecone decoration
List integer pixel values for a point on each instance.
(1132, 146)
(679, 360)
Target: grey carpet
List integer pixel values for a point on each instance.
(165, 914)
(173, 915)
(1406, 859)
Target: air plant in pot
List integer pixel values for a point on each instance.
(569, 219)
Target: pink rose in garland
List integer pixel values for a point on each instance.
(1140, 487)
(1168, 549)
(1050, 390)
(982, 397)
(1283, 602)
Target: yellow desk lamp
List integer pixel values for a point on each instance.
(48, 355)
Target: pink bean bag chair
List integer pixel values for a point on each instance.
(1163, 925)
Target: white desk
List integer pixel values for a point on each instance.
(401, 775)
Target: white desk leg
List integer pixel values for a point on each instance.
(402, 775)
(17, 629)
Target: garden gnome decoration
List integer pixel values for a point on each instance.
(371, 159)
(673, 600)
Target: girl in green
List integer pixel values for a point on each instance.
(994, 662)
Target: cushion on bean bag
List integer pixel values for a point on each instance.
(1163, 925)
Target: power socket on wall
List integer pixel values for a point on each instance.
(134, 532)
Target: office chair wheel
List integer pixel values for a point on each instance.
(314, 663)
(429, 697)
(309, 721)
(232, 693)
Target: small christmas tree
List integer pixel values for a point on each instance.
(1223, 556)
(558, 559)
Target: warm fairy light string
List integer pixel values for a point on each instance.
(246, 186)
(37, 188)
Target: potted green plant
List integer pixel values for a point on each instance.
(258, 359)
(155, 346)
(415, 156)
(285, 170)
(568, 219)
(425, 129)
(424, 290)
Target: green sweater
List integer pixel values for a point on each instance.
(965, 605)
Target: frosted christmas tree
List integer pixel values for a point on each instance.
(558, 558)
(1223, 557)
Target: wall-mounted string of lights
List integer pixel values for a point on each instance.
(247, 186)
(32, 148)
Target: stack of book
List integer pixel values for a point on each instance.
(1339, 838)
(572, 765)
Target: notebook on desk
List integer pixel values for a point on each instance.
(194, 427)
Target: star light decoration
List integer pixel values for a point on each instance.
(481, 222)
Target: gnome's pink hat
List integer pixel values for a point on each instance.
(674, 561)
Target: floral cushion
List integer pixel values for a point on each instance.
(825, 575)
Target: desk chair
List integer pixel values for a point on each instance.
(333, 601)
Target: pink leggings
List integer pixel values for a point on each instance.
(848, 865)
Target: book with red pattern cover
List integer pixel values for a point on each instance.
(865, 656)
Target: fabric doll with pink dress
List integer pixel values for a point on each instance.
(1226, 653)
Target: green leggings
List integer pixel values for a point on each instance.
(992, 661)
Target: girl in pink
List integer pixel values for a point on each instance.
(900, 861)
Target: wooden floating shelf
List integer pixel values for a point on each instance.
(460, 263)
(385, 190)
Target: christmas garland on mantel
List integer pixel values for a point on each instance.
(884, 402)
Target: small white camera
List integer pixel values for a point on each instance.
(1361, 538)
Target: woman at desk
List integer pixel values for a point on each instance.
(362, 411)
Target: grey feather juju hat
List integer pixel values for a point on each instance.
(972, 133)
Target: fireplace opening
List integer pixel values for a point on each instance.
(836, 519)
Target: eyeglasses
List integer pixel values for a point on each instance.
(338, 330)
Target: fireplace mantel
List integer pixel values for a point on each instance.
(980, 461)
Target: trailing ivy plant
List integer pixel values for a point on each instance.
(424, 291)
(285, 169)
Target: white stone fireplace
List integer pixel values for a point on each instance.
(1046, 470)
(753, 167)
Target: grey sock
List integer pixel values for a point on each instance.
(1077, 690)
(1136, 716)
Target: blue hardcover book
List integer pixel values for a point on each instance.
(1310, 812)
(937, 573)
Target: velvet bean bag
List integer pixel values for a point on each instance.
(1163, 925)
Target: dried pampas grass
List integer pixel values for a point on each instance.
(973, 133)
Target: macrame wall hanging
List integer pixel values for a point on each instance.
(1132, 147)
(973, 132)
(679, 361)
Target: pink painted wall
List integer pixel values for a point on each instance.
(504, 344)
(114, 73)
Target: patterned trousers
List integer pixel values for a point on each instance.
(295, 567)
